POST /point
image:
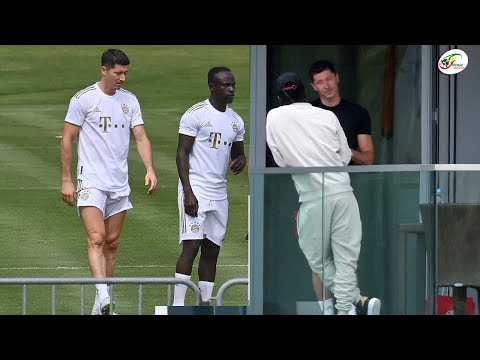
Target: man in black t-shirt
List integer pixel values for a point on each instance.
(355, 119)
(356, 124)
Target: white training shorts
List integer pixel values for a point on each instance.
(109, 202)
(210, 223)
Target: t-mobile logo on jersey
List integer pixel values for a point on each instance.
(215, 139)
(106, 123)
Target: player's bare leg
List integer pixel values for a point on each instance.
(183, 269)
(113, 227)
(94, 225)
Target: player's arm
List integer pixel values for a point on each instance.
(365, 153)
(184, 148)
(239, 160)
(144, 148)
(272, 144)
(70, 132)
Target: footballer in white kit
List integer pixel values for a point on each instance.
(105, 123)
(101, 118)
(210, 143)
(214, 133)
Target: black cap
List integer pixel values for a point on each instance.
(288, 81)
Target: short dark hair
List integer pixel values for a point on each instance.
(319, 66)
(214, 71)
(112, 57)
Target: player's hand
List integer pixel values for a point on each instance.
(190, 203)
(237, 164)
(151, 179)
(69, 194)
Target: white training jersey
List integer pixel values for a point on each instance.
(214, 133)
(104, 137)
(302, 135)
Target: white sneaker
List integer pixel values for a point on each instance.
(96, 311)
(105, 306)
(369, 306)
(374, 306)
(353, 310)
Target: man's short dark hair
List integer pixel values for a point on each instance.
(214, 71)
(112, 57)
(320, 66)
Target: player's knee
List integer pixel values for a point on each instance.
(112, 242)
(210, 251)
(96, 238)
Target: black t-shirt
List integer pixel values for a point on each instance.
(354, 119)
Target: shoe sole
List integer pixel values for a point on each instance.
(374, 306)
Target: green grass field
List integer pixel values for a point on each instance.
(40, 236)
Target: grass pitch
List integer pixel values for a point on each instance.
(43, 237)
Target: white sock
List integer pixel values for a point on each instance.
(96, 304)
(327, 307)
(206, 287)
(180, 290)
(102, 291)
